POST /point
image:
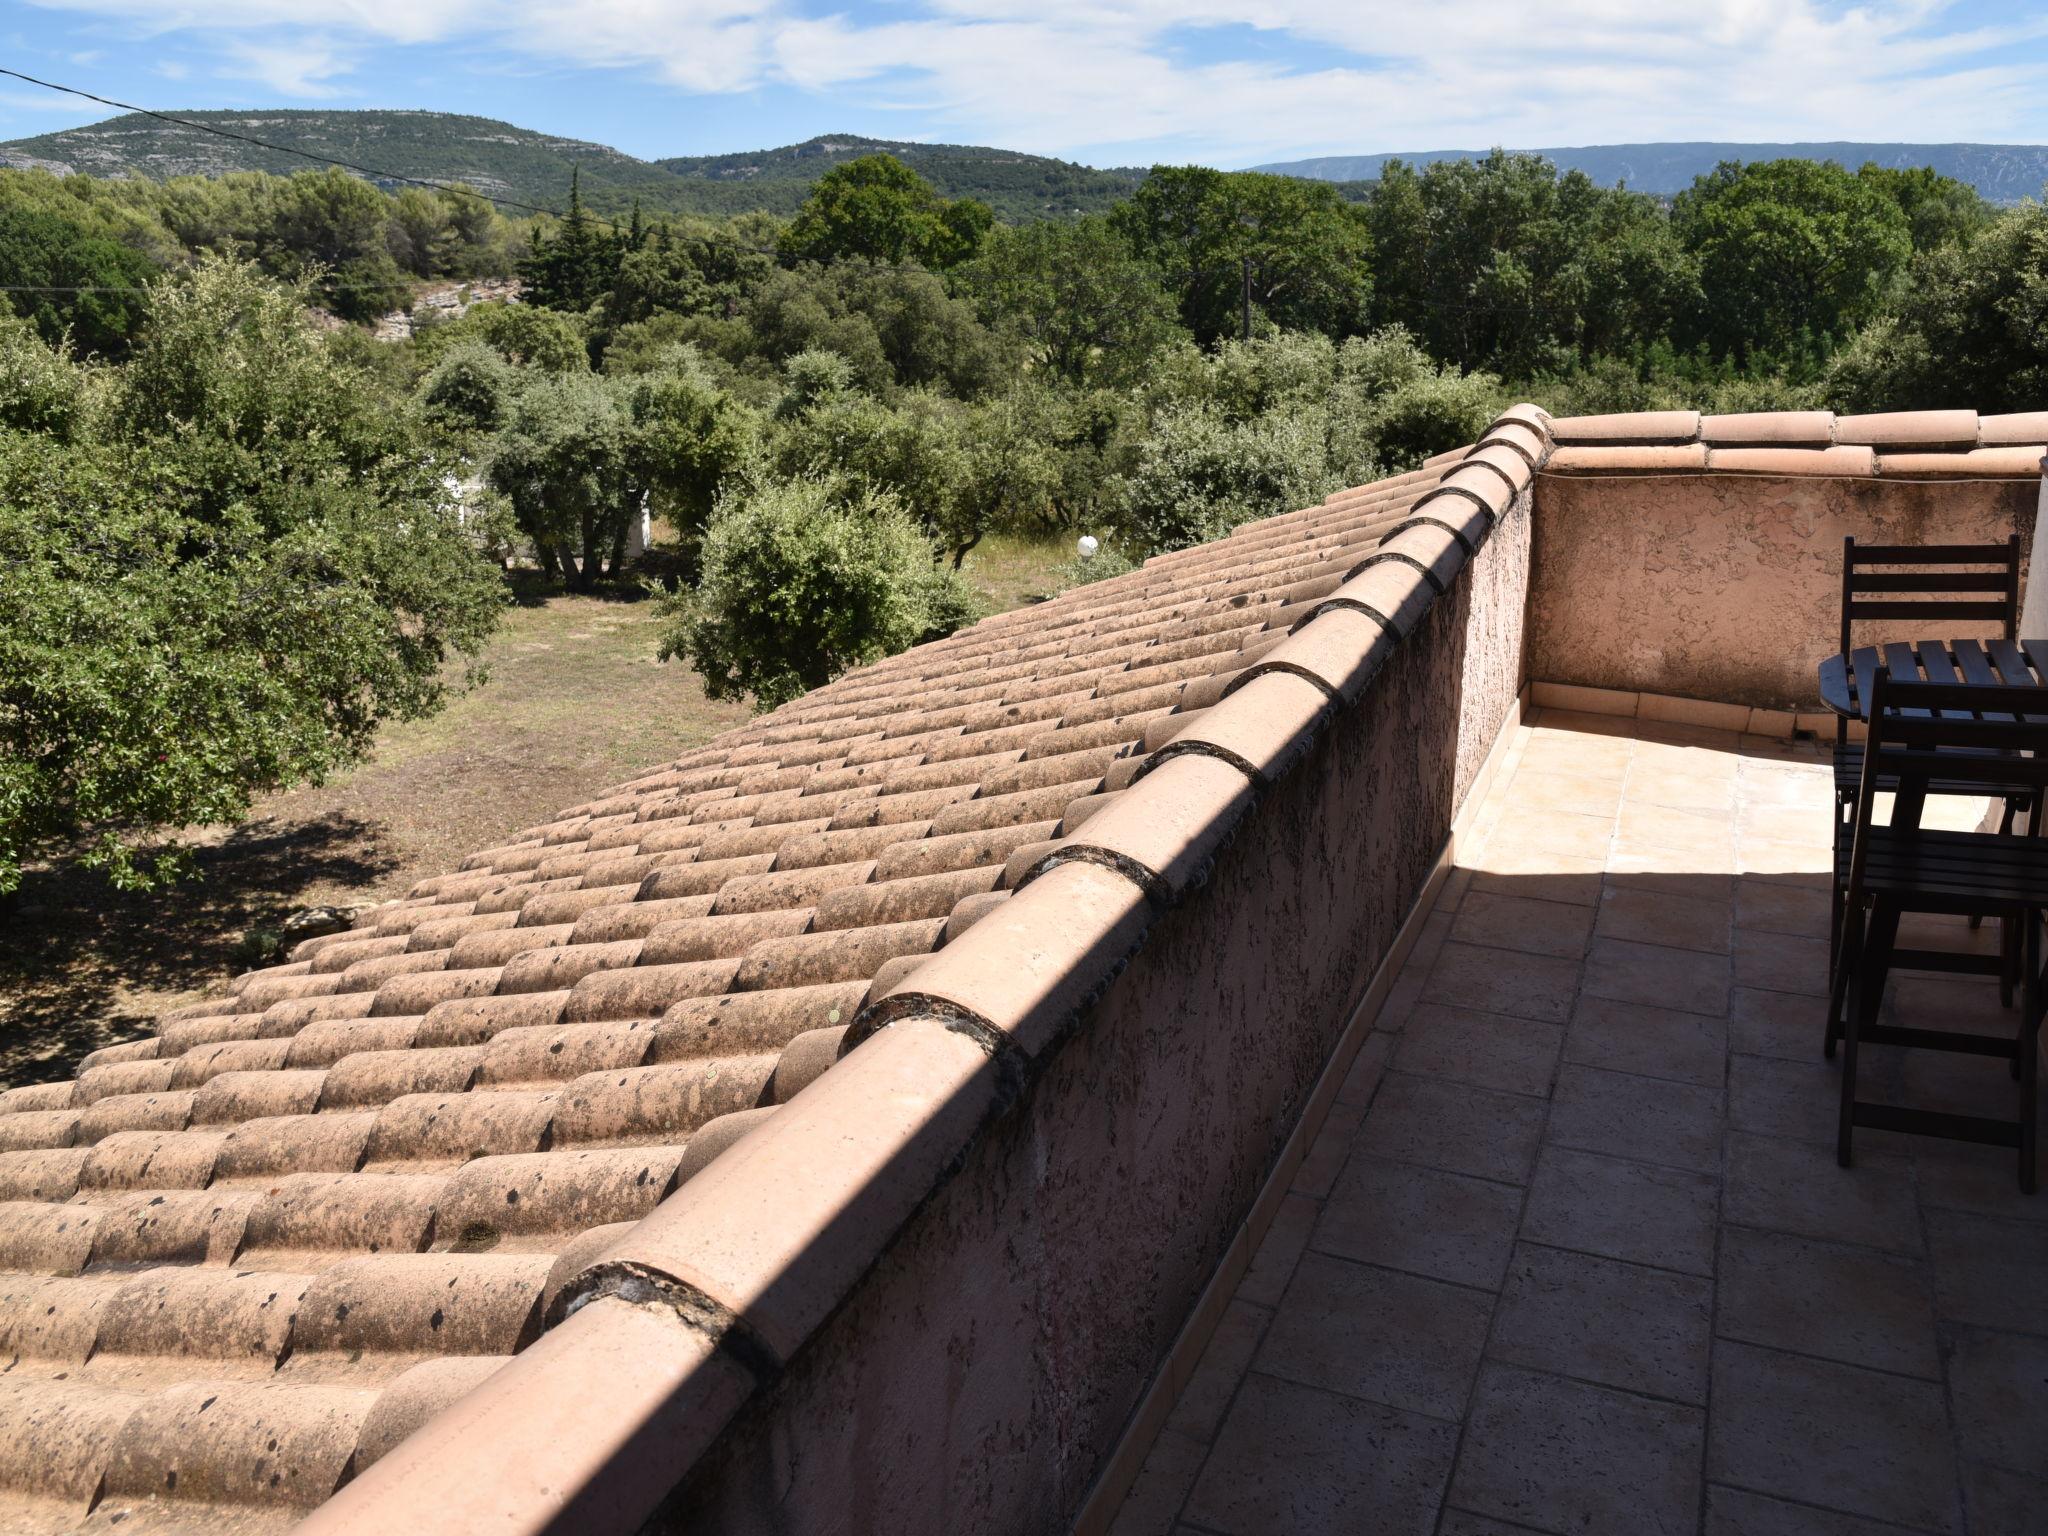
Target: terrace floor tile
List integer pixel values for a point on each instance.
(1560, 1455)
(1523, 923)
(1453, 1126)
(1303, 1461)
(1648, 1041)
(1846, 1304)
(1659, 975)
(1858, 1441)
(1619, 1325)
(1378, 1334)
(1487, 1050)
(1649, 1119)
(1663, 917)
(1446, 1226)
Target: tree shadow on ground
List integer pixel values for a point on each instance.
(83, 965)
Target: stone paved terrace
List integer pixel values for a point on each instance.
(1571, 1253)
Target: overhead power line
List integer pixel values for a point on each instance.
(304, 154)
(457, 188)
(717, 237)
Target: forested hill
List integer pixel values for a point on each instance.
(2001, 173)
(1017, 186)
(506, 161)
(496, 158)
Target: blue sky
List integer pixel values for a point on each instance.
(1102, 81)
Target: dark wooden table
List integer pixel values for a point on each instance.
(1845, 680)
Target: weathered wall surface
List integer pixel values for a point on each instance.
(1725, 587)
(989, 1363)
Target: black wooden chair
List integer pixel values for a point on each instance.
(1921, 733)
(1878, 583)
(1975, 583)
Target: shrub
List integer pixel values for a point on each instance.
(470, 389)
(1431, 414)
(1199, 475)
(800, 583)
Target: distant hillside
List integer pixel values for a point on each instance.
(506, 161)
(494, 157)
(1017, 186)
(2002, 173)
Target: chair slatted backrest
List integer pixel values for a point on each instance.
(1879, 582)
(1994, 734)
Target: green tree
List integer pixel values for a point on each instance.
(693, 441)
(915, 452)
(217, 578)
(470, 391)
(1792, 253)
(877, 209)
(572, 267)
(525, 334)
(1971, 330)
(1235, 245)
(1939, 209)
(69, 280)
(567, 460)
(1090, 310)
(1501, 263)
(800, 583)
(894, 327)
(420, 232)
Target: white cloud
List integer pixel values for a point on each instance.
(304, 67)
(38, 101)
(1059, 75)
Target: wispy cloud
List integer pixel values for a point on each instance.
(304, 67)
(38, 101)
(1061, 75)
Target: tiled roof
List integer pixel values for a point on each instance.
(247, 1256)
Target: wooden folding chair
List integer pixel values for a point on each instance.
(1956, 733)
(1880, 581)
(1977, 583)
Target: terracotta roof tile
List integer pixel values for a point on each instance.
(1769, 429)
(1647, 457)
(1846, 459)
(1626, 430)
(1910, 429)
(2021, 430)
(2007, 463)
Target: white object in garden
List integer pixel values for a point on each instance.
(1087, 545)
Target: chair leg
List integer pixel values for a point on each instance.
(2008, 959)
(2027, 1058)
(1872, 953)
(1849, 946)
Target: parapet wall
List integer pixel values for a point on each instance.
(1702, 556)
(992, 1357)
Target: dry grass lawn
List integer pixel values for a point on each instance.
(574, 702)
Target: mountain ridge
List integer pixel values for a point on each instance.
(2001, 173)
(506, 161)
